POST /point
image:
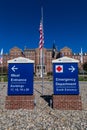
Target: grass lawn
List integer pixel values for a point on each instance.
(5, 78)
(83, 78)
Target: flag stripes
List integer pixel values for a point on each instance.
(41, 42)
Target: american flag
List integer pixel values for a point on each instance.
(41, 42)
(1, 56)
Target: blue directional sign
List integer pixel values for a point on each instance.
(65, 78)
(20, 78)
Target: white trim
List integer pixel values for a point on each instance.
(65, 59)
(20, 60)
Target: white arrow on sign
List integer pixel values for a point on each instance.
(72, 68)
(14, 68)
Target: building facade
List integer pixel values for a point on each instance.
(13, 53)
(34, 54)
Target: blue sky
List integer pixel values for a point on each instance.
(64, 21)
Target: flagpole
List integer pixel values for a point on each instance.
(1, 55)
(81, 56)
(42, 52)
(82, 62)
(41, 43)
(2, 69)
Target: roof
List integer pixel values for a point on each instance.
(20, 60)
(65, 59)
(66, 48)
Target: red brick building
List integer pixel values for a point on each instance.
(34, 54)
(13, 53)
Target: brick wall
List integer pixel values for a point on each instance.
(18, 102)
(67, 102)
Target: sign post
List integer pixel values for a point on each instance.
(20, 83)
(65, 81)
